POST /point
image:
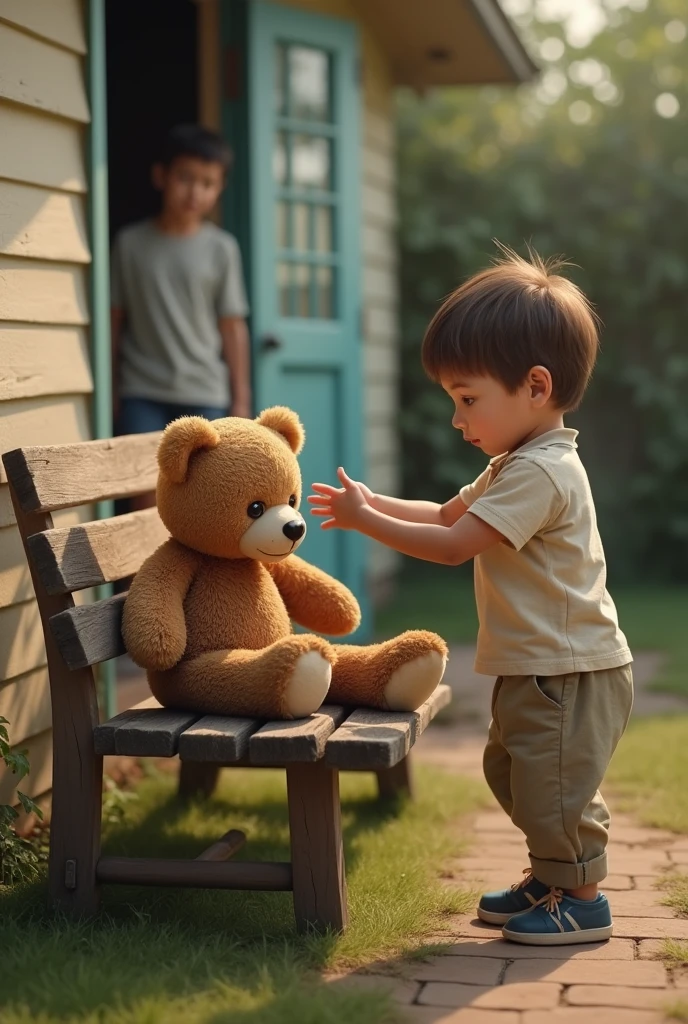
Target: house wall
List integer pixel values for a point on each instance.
(45, 378)
(379, 274)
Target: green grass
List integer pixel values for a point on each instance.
(677, 1011)
(650, 768)
(441, 598)
(676, 888)
(157, 956)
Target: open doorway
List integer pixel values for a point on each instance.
(152, 84)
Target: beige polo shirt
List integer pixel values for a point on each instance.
(542, 600)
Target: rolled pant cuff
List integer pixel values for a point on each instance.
(560, 875)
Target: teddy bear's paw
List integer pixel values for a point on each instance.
(411, 684)
(308, 685)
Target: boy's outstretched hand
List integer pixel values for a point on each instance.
(341, 504)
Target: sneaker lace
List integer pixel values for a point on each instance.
(526, 880)
(550, 901)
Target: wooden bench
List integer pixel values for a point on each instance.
(77, 637)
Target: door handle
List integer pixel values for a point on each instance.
(270, 343)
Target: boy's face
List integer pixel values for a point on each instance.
(494, 420)
(190, 187)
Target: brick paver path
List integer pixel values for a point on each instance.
(481, 979)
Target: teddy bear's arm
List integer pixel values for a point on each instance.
(153, 624)
(314, 599)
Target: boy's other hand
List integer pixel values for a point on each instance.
(341, 504)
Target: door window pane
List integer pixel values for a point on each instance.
(302, 287)
(325, 292)
(301, 227)
(311, 162)
(324, 235)
(281, 79)
(284, 288)
(282, 224)
(280, 159)
(309, 84)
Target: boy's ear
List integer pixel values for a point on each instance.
(158, 175)
(179, 441)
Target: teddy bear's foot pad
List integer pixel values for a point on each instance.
(308, 685)
(411, 684)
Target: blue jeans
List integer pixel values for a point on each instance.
(145, 415)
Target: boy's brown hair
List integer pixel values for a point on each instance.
(513, 316)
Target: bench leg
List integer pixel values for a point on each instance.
(396, 781)
(75, 818)
(317, 851)
(197, 778)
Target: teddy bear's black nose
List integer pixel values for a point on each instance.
(294, 530)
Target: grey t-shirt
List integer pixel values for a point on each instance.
(173, 289)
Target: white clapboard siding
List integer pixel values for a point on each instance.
(41, 150)
(43, 361)
(57, 420)
(21, 640)
(43, 225)
(40, 753)
(59, 21)
(33, 291)
(25, 703)
(37, 74)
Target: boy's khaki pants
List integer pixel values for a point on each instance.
(551, 739)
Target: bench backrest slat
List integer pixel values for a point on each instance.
(51, 477)
(90, 633)
(76, 557)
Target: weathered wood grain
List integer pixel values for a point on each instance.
(87, 555)
(317, 851)
(60, 476)
(275, 877)
(90, 633)
(147, 730)
(380, 739)
(300, 740)
(218, 739)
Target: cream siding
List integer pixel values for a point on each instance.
(379, 271)
(45, 377)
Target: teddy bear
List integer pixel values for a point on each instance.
(209, 614)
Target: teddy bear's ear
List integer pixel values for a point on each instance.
(285, 422)
(180, 440)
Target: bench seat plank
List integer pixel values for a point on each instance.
(371, 740)
(300, 740)
(147, 730)
(217, 738)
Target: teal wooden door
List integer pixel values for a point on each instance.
(305, 251)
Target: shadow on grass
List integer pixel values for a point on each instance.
(158, 956)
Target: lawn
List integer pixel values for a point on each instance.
(441, 598)
(162, 956)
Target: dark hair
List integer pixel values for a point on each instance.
(515, 315)
(195, 140)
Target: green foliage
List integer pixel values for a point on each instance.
(18, 860)
(578, 163)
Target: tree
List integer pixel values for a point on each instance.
(590, 161)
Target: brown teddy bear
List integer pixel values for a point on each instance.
(208, 614)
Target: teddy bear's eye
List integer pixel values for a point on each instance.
(255, 509)
(292, 501)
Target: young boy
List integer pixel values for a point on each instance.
(179, 336)
(514, 347)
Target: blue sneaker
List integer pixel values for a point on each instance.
(499, 907)
(560, 920)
